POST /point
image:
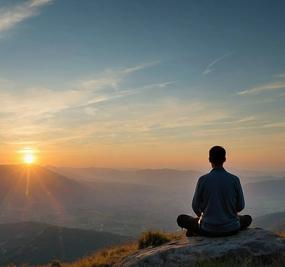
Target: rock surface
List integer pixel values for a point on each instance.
(252, 247)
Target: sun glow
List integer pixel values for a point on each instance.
(28, 156)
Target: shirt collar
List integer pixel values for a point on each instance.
(218, 169)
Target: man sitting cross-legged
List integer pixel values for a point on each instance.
(217, 200)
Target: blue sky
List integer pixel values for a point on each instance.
(101, 77)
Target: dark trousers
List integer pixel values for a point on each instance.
(193, 227)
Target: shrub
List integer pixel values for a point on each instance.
(55, 264)
(152, 239)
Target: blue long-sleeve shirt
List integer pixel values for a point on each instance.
(217, 200)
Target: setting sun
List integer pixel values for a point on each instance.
(28, 155)
(29, 158)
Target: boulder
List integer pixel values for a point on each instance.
(252, 247)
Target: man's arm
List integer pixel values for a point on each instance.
(197, 199)
(240, 197)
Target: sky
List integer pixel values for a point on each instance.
(143, 83)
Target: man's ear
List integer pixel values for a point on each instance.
(225, 159)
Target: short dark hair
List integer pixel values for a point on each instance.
(217, 155)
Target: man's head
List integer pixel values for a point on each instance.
(217, 156)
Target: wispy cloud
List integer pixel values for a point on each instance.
(273, 86)
(139, 67)
(246, 119)
(280, 124)
(38, 101)
(112, 78)
(13, 15)
(29, 111)
(210, 67)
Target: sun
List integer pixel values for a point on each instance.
(28, 156)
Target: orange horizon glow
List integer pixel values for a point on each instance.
(173, 156)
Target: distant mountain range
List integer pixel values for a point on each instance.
(272, 221)
(39, 243)
(158, 177)
(125, 202)
(140, 176)
(265, 196)
(267, 188)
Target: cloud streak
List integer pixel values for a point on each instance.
(38, 101)
(210, 67)
(31, 110)
(264, 88)
(112, 78)
(13, 15)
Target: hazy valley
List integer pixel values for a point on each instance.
(103, 201)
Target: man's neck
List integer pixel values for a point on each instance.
(220, 167)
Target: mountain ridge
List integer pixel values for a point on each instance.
(40, 243)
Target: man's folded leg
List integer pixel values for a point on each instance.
(189, 223)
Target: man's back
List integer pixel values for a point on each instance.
(217, 199)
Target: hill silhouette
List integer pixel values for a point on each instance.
(31, 193)
(39, 243)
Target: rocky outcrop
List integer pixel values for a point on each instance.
(252, 247)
